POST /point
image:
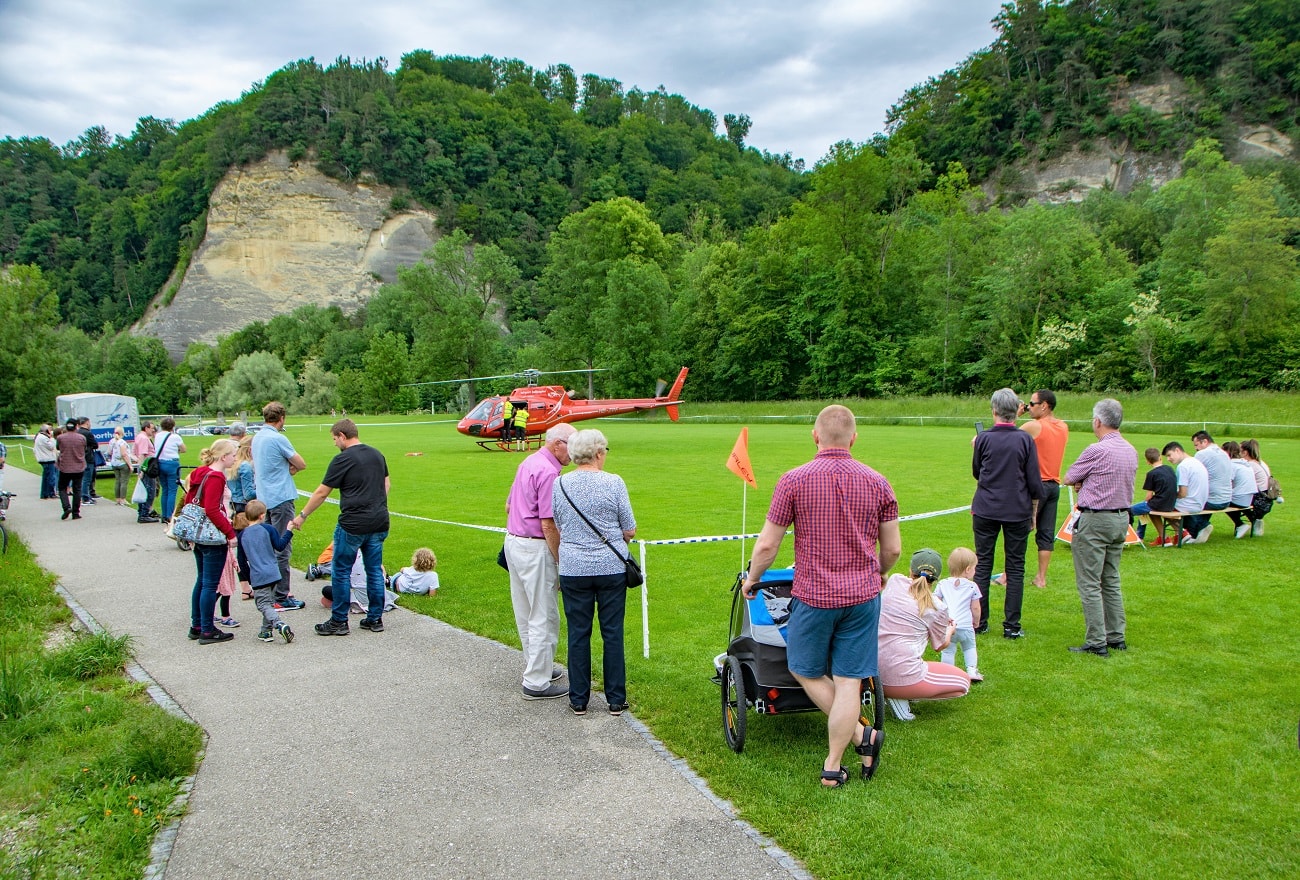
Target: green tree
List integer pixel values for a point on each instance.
(575, 285)
(34, 369)
(1250, 286)
(386, 370)
(320, 389)
(456, 297)
(252, 380)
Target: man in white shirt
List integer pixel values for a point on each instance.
(1193, 490)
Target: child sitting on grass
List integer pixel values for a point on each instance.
(258, 544)
(418, 577)
(962, 597)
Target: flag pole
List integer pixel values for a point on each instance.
(744, 508)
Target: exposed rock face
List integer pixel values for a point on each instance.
(1070, 177)
(282, 235)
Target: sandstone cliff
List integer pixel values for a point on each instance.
(1071, 176)
(282, 235)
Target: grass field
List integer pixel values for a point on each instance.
(89, 767)
(1178, 756)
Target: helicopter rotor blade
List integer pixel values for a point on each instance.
(523, 374)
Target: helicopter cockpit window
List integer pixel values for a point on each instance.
(485, 409)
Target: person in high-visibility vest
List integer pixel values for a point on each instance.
(507, 420)
(521, 422)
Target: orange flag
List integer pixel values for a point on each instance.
(738, 462)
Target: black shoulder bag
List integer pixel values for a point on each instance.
(633, 571)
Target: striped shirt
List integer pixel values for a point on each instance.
(1107, 469)
(836, 505)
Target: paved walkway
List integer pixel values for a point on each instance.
(408, 753)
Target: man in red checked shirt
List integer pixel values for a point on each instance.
(846, 538)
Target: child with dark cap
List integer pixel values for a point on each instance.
(911, 618)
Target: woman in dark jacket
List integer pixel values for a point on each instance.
(210, 559)
(1005, 465)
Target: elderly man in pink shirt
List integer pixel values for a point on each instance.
(532, 549)
(1104, 475)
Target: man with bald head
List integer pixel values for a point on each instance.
(846, 538)
(532, 551)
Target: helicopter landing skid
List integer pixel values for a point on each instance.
(529, 444)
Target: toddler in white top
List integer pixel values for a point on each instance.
(418, 577)
(962, 596)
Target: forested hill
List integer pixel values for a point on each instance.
(494, 147)
(1062, 74)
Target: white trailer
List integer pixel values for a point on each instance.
(105, 411)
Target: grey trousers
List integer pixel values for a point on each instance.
(264, 599)
(280, 515)
(1097, 544)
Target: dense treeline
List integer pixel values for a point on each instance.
(588, 227)
(496, 148)
(1058, 74)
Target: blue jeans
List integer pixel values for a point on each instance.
(169, 472)
(49, 479)
(88, 482)
(210, 560)
(151, 489)
(346, 547)
(584, 598)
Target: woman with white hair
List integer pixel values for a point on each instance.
(594, 516)
(1005, 466)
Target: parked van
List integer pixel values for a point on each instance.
(105, 411)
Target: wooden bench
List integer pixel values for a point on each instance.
(1177, 516)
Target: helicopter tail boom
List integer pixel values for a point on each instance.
(674, 394)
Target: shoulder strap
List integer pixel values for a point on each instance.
(158, 452)
(603, 539)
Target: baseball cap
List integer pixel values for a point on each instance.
(927, 562)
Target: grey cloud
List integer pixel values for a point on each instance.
(807, 75)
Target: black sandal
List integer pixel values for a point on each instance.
(841, 776)
(870, 748)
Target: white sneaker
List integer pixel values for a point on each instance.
(1243, 530)
(901, 708)
(974, 674)
(1204, 535)
(1257, 528)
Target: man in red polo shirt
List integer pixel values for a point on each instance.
(846, 538)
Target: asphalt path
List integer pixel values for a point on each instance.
(407, 753)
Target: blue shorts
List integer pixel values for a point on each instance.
(843, 638)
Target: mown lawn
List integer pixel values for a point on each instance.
(1176, 757)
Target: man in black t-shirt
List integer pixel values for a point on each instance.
(88, 493)
(360, 473)
(1161, 485)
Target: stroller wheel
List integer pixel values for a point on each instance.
(734, 706)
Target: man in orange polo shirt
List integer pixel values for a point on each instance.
(1050, 435)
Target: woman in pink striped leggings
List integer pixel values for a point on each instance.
(910, 617)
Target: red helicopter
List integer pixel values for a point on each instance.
(551, 404)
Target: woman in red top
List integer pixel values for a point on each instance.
(210, 558)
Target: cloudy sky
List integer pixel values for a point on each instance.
(808, 74)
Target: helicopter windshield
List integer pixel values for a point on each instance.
(484, 410)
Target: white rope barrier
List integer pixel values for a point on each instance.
(645, 571)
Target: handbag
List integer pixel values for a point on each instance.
(149, 467)
(141, 494)
(632, 571)
(192, 523)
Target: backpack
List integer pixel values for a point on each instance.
(1274, 490)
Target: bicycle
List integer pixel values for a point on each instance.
(4, 534)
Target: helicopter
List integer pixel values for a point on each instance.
(550, 405)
